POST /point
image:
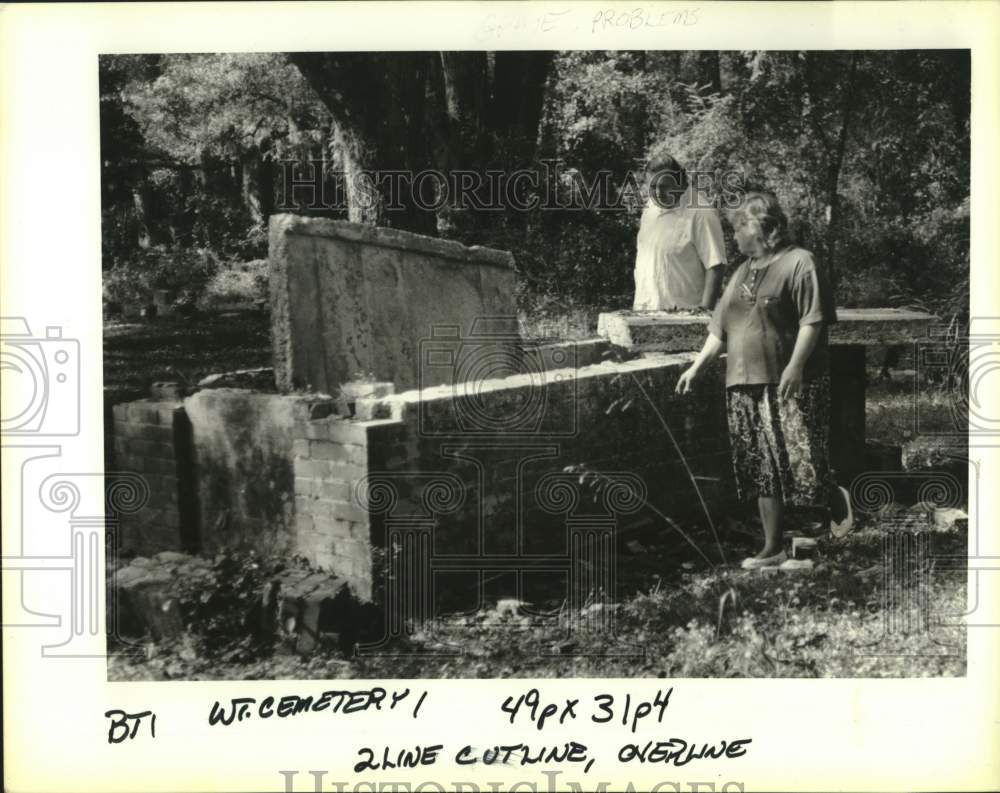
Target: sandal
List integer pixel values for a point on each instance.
(842, 528)
(753, 563)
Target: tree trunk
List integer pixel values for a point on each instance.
(143, 239)
(418, 111)
(466, 91)
(711, 70)
(250, 189)
(848, 100)
(518, 92)
(364, 202)
(377, 103)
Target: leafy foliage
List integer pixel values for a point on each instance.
(134, 280)
(222, 613)
(890, 209)
(226, 106)
(867, 151)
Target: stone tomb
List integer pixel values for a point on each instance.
(349, 300)
(504, 463)
(855, 331)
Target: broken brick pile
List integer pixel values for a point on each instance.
(300, 608)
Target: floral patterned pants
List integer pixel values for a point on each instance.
(780, 446)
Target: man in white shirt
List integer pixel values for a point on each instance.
(680, 250)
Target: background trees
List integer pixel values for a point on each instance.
(868, 151)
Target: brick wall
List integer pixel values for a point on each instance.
(502, 468)
(330, 461)
(472, 472)
(152, 438)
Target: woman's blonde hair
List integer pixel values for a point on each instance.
(762, 210)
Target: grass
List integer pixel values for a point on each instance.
(137, 354)
(686, 623)
(675, 616)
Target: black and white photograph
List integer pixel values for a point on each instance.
(500, 396)
(537, 363)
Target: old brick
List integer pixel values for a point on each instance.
(158, 433)
(331, 528)
(324, 557)
(142, 447)
(312, 469)
(143, 411)
(335, 491)
(316, 430)
(346, 511)
(346, 431)
(338, 452)
(303, 524)
(162, 450)
(161, 466)
(346, 472)
(306, 486)
(168, 412)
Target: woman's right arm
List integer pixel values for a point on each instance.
(711, 350)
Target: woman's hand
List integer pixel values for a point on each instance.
(709, 352)
(686, 379)
(791, 381)
(805, 343)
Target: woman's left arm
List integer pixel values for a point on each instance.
(808, 290)
(805, 343)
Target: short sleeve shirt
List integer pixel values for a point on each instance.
(760, 326)
(674, 248)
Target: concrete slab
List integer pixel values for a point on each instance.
(643, 331)
(350, 300)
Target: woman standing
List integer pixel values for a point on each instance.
(772, 322)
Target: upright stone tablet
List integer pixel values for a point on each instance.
(349, 300)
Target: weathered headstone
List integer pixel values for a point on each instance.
(349, 300)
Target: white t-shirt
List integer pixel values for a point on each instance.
(673, 250)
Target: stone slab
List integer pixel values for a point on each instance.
(243, 464)
(349, 300)
(145, 593)
(666, 331)
(260, 378)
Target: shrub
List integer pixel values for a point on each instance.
(237, 282)
(175, 270)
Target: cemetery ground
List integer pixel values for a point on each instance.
(677, 615)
